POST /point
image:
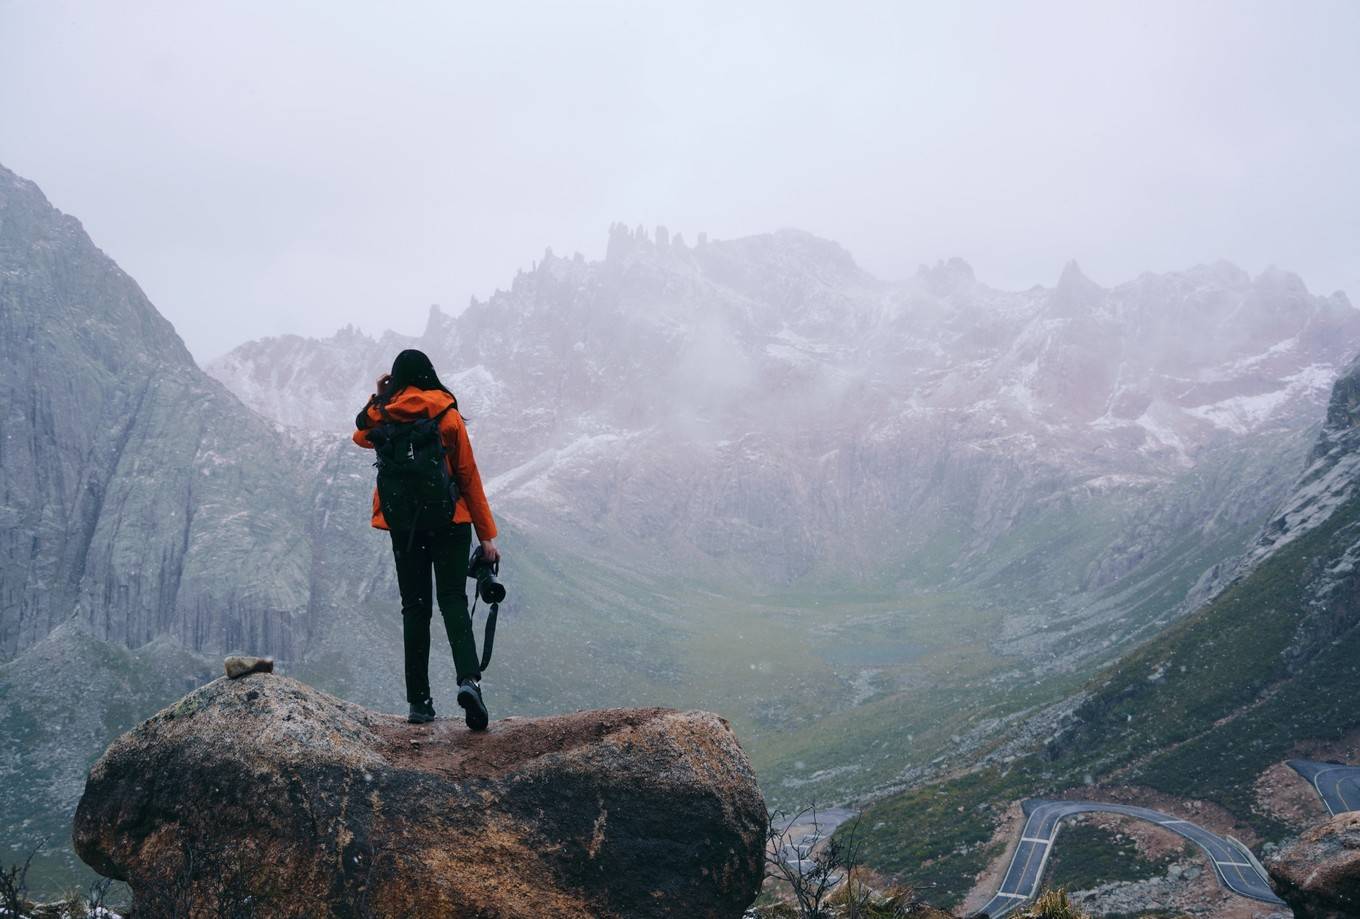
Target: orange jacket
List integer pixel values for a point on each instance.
(412, 403)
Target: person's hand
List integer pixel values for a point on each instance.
(490, 552)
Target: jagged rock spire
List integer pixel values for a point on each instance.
(1076, 293)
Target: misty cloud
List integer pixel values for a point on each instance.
(269, 168)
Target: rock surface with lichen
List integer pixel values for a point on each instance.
(269, 790)
(1318, 874)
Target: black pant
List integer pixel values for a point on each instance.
(445, 553)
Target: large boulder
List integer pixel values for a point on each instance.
(265, 794)
(1319, 873)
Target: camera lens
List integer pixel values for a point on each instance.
(492, 590)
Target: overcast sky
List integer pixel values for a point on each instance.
(278, 167)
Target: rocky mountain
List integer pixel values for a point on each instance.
(1271, 660)
(933, 491)
(124, 470)
(146, 516)
(870, 522)
(765, 404)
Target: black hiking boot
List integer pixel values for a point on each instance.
(470, 698)
(421, 712)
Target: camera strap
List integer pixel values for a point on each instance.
(489, 633)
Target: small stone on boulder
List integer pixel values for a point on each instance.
(239, 665)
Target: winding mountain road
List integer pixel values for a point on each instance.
(1336, 783)
(1234, 864)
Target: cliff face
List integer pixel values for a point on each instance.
(135, 492)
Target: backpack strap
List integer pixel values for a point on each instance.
(449, 454)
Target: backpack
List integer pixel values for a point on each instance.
(415, 490)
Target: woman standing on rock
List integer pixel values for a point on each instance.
(430, 498)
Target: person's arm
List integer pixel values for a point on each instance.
(363, 425)
(470, 484)
(366, 417)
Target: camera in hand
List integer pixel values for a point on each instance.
(484, 573)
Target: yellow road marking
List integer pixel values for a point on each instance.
(1342, 795)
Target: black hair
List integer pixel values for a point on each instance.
(413, 368)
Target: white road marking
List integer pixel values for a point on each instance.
(1043, 863)
(1325, 803)
(1042, 842)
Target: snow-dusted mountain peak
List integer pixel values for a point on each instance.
(773, 374)
(787, 321)
(945, 277)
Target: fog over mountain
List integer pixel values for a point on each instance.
(264, 169)
(765, 403)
